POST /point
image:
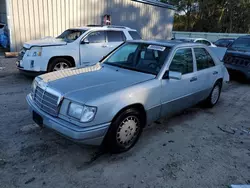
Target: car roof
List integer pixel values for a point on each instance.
(226, 39)
(167, 43)
(99, 27)
(246, 36)
(186, 38)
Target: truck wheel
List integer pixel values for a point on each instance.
(214, 95)
(124, 132)
(59, 64)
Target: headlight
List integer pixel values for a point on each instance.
(37, 54)
(82, 113)
(35, 51)
(33, 86)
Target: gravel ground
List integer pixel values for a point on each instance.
(188, 150)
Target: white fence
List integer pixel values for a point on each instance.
(210, 36)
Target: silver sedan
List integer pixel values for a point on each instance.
(111, 102)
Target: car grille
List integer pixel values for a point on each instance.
(21, 53)
(46, 101)
(240, 61)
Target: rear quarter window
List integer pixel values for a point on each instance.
(135, 35)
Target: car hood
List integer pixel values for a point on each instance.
(243, 54)
(48, 41)
(84, 84)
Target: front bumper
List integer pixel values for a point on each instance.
(93, 135)
(238, 69)
(32, 64)
(29, 72)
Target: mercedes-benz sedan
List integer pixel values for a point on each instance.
(111, 102)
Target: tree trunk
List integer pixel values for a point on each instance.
(231, 16)
(189, 8)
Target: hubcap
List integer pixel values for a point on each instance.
(127, 131)
(60, 66)
(215, 94)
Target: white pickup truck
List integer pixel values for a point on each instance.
(74, 47)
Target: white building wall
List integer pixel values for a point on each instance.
(3, 15)
(34, 19)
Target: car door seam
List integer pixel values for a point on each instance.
(183, 96)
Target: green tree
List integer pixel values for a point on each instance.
(187, 7)
(212, 16)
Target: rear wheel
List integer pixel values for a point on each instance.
(124, 131)
(59, 64)
(214, 96)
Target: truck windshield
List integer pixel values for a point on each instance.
(146, 58)
(71, 35)
(242, 44)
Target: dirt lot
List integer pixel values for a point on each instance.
(188, 150)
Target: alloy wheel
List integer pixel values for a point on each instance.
(60, 66)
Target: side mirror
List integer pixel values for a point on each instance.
(85, 41)
(172, 75)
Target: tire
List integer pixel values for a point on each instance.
(214, 96)
(124, 131)
(59, 64)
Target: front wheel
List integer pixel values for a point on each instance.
(59, 64)
(214, 96)
(124, 131)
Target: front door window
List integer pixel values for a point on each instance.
(94, 48)
(96, 37)
(182, 61)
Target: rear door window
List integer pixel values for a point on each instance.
(203, 59)
(115, 36)
(135, 35)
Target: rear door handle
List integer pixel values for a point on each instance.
(215, 72)
(193, 79)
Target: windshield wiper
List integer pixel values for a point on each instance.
(129, 68)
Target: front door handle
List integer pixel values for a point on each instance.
(193, 79)
(215, 72)
(107, 46)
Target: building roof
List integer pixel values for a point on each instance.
(156, 3)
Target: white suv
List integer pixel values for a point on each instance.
(74, 47)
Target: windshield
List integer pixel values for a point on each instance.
(224, 42)
(242, 44)
(139, 57)
(71, 35)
